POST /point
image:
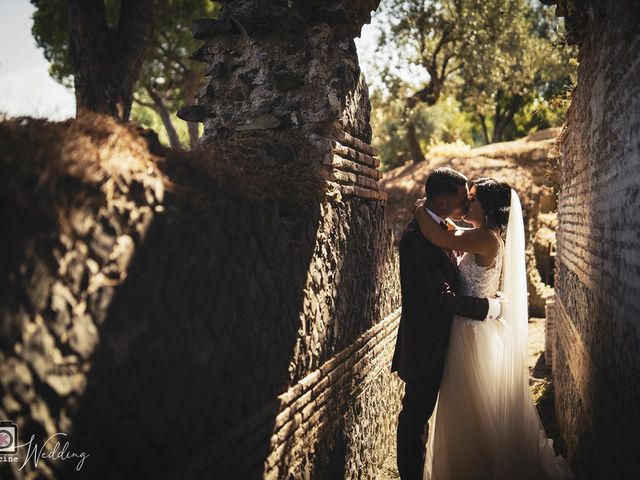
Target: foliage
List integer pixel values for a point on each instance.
(168, 79)
(51, 33)
(443, 122)
(502, 59)
(166, 70)
(512, 63)
(148, 118)
(429, 35)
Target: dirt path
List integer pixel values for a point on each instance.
(541, 388)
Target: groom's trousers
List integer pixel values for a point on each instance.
(417, 406)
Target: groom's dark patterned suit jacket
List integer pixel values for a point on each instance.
(429, 282)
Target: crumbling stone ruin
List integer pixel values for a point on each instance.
(231, 312)
(227, 313)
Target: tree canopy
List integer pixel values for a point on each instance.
(166, 79)
(497, 57)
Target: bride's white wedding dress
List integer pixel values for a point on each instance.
(485, 424)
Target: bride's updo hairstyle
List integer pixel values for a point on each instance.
(495, 198)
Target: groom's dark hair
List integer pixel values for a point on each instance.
(443, 182)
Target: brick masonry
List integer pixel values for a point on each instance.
(217, 335)
(255, 335)
(596, 312)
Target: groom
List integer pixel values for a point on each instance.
(429, 283)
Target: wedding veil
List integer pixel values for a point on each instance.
(520, 432)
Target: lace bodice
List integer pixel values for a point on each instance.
(477, 281)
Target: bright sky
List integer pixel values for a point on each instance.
(25, 85)
(27, 89)
(414, 76)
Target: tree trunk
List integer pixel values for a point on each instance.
(107, 62)
(429, 94)
(194, 134)
(485, 131)
(159, 107)
(190, 88)
(502, 119)
(414, 144)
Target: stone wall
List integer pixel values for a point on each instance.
(256, 334)
(595, 316)
(229, 313)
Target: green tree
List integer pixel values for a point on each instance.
(443, 122)
(166, 78)
(497, 56)
(103, 48)
(428, 34)
(512, 61)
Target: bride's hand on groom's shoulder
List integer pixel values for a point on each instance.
(419, 203)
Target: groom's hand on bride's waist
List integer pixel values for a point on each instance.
(496, 305)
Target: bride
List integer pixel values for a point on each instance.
(485, 424)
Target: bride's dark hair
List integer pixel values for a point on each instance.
(495, 198)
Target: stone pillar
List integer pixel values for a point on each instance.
(291, 66)
(549, 331)
(288, 67)
(277, 67)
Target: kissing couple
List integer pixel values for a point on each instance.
(462, 341)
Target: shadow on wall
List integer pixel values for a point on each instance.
(597, 350)
(200, 334)
(358, 303)
(199, 337)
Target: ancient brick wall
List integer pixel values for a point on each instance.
(239, 324)
(595, 317)
(254, 334)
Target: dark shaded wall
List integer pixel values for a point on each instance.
(596, 312)
(184, 317)
(229, 326)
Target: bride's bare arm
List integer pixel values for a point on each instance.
(473, 240)
(428, 226)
